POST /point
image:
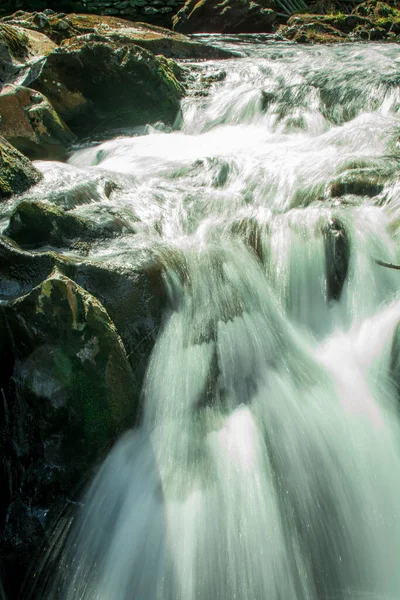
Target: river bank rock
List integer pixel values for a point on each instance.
(17, 173)
(158, 40)
(225, 16)
(30, 123)
(92, 81)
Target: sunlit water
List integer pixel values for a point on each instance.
(267, 462)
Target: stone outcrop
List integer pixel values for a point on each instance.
(17, 174)
(225, 16)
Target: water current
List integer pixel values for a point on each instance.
(267, 462)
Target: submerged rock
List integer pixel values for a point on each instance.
(225, 16)
(17, 173)
(92, 81)
(31, 124)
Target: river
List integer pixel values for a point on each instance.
(267, 462)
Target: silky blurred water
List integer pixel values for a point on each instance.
(267, 462)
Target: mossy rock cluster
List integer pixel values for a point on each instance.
(369, 21)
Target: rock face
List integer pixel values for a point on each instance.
(225, 16)
(17, 174)
(30, 123)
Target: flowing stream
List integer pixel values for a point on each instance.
(267, 461)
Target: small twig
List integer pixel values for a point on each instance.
(382, 263)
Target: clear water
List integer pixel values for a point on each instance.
(267, 463)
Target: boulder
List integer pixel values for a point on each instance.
(68, 391)
(156, 39)
(93, 81)
(30, 123)
(17, 173)
(225, 16)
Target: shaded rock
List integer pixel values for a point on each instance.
(30, 123)
(225, 16)
(35, 224)
(92, 81)
(17, 173)
(70, 393)
(156, 39)
(337, 256)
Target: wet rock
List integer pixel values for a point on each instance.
(17, 173)
(216, 16)
(155, 39)
(337, 255)
(92, 81)
(35, 224)
(29, 122)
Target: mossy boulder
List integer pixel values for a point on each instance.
(30, 123)
(225, 16)
(92, 81)
(17, 173)
(36, 224)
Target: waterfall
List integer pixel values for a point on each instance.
(267, 461)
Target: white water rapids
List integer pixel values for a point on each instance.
(267, 462)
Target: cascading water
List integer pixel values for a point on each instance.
(267, 462)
